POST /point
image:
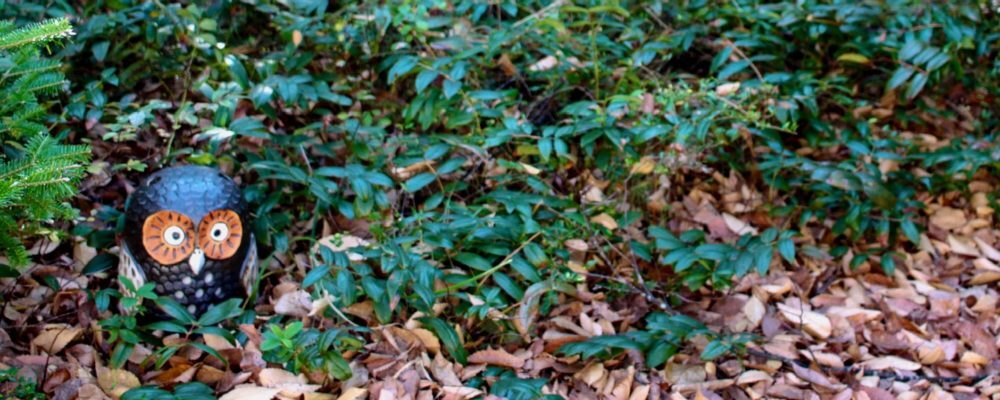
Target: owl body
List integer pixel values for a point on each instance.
(187, 230)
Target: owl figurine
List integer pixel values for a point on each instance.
(187, 230)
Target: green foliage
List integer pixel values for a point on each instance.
(301, 349)
(663, 337)
(184, 391)
(18, 388)
(125, 332)
(698, 262)
(510, 386)
(36, 173)
(467, 135)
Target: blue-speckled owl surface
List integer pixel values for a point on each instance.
(187, 230)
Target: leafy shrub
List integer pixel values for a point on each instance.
(184, 391)
(468, 139)
(18, 388)
(309, 349)
(36, 173)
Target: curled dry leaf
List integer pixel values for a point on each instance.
(496, 357)
(274, 377)
(342, 243)
(814, 323)
(545, 64)
(779, 287)
(891, 362)
(591, 374)
(815, 377)
(55, 337)
(727, 89)
(461, 392)
(971, 357)
(754, 310)
(116, 382)
(930, 353)
(90, 391)
(645, 166)
(217, 342)
(640, 392)
(962, 247)
(353, 393)
(296, 304)
(753, 376)
(989, 251)
(287, 383)
(737, 225)
(948, 218)
(250, 392)
(605, 220)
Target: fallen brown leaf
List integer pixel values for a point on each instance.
(55, 337)
(496, 357)
(116, 382)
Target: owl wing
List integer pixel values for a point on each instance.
(129, 268)
(249, 270)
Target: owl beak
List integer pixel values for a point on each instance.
(197, 261)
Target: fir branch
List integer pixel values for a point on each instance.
(35, 34)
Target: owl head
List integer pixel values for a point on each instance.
(187, 230)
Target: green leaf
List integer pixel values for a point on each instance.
(910, 230)
(175, 310)
(714, 349)
(899, 77)
(315, 275)
(237, 71)
(854, 58)
(221, 312)
(732, 69)
(194, 391)
(215, 330)
(916, 85)
(910, 49)
(100, 263)
(402, 66)
(120, 354)
(937, 61)
(473, 260)
(525, 269)
(338, 366)
(659, 353)
(888, 264)
(762, 260)
(448, 337)
(6, 271)
(786, 247)
(167, 326)
(418, 182)
(424, 79)
(147, 393)
(451, 87)
(100, 50)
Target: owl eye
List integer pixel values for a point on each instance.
(174, 236)
(166, 237)
(220, 234)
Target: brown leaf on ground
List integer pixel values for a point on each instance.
(948, 218)
(250, 392)
(296, 304)
(54, 338)
(116, 382)
(498, 357)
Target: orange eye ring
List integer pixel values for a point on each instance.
(220, 234)
(168, 237)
